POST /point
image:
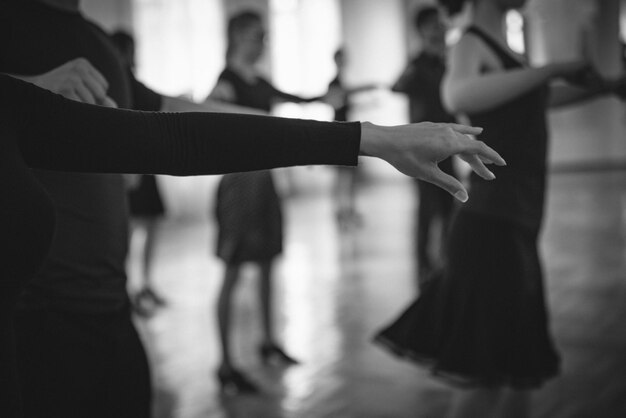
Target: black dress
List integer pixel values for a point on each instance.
(484, 322)
(43, 130)
(248, 209)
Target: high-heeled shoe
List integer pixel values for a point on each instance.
(234, 382)
(272, 353)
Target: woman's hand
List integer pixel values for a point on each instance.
(416, 149)
(76, 80)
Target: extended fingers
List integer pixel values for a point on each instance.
(448, 183)
(470, 146)
(464, 129)
(478, 166)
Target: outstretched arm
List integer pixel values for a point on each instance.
(468, 89)
(56, 133)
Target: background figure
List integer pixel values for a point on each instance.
(345, 186)
(248, 209)
(483, 325)
(146, 207)
(421, 81)
(347, 177)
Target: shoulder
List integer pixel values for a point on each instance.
(468, 41)
(471, 53)
(227, 74)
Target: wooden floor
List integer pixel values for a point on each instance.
(334, 290)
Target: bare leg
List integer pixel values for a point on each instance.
(265, 296)
(473, 403)
(224, 311)
(231, 379)
(515, 404)
(270, 351)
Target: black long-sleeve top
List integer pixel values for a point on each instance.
(43, 130)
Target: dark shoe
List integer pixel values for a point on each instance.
(234, 382)
(272, 354)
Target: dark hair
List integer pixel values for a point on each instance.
(238, 22)
(123, 40)
(424, 15)
(242, 20)
(453, 7)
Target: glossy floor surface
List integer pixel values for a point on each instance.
(334, 289)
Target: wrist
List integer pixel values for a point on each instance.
(369, 142)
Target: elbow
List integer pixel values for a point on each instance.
(451, 99)
(452, 104)
(460, 101)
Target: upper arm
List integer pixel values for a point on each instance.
(465, 62)
(223, 91)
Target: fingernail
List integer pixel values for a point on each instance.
(478, 128)
(491, 176)
(461, 195)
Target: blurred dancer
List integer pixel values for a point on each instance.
(421, 82)
(146, 207)
(347, 177)
(483, 325)
(248, 208)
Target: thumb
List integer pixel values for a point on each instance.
(449, 184)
